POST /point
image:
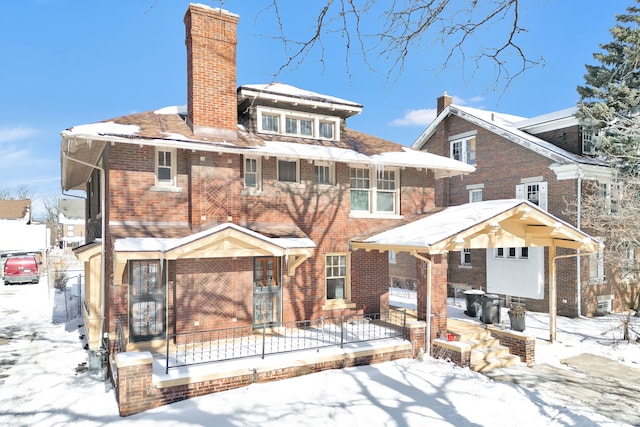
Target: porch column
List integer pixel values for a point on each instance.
(552, 293)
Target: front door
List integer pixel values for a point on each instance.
(267, 291)
(146, 300)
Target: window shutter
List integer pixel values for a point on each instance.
(520, 193)
(543, 196)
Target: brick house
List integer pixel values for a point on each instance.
(237, 209)
(256, 206)
(72, 223)
(546, 160)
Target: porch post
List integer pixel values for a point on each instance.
(552, 293)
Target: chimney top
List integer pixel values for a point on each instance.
(443, 101)
(211, 41)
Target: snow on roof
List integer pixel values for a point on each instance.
(174, 109)
(292, 91)
(434, 228)
(153, 244)
(510, 127)
(407, 157)
(548, 117)
(102, 128)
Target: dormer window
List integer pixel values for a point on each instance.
(270, 123)
(299, 124)
(326, 130)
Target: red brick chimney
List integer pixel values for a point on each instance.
(443, 101)
(211, 71)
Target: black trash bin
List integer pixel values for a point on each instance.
(473, 302)
(490, 308)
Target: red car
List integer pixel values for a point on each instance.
(21, 269)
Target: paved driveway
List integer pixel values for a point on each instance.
(608, 387)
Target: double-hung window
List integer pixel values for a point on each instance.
(386, 191)
(463, 148)
(165, 166)
(596, 266)
(336, 277)
(360, 189)
(323, 173)
(374, 196)
(287, 170)
(252, 172)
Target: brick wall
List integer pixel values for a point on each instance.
(136, 391)
(211, 68)
(501, 165)
(211, 187)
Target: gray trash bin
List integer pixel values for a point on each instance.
(473, 302)
(517, 317)
(490, 308)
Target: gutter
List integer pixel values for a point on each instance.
(102, 240)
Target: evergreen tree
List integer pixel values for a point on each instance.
(610, 99)
(609, 107)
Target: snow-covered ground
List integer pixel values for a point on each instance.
(39, 385)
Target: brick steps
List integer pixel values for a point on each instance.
(486, 351)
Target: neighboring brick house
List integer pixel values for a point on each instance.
(546, 160)
(72, 223)
(237, 209)
(15, 211)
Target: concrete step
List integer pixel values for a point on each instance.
(484, 342)
(487, 353)
(495, 362)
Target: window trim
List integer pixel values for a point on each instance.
(297, 172)
(598, 259)
(283, 115)
(522, 192)
(172, 181)
(347, 279)
(373, 191)
(475, 191)
(332, 172)
(258, 172)
(468, 152)
(463, 258)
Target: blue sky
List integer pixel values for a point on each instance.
(71, 62)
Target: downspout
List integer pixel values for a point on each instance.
(102, 239)
(427, 343)
(578, 259)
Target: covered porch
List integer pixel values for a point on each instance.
(481, 225)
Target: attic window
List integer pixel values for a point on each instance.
(297, 123)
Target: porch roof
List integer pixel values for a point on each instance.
(488, 224)
(220, 240)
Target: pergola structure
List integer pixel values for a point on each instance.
(482, 225)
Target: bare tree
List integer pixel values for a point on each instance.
(21, 192)
(482, 33)
(51, 216)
